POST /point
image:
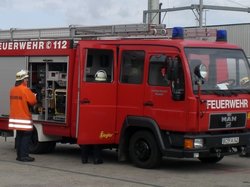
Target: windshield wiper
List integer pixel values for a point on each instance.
(226, 92)
(246, 91)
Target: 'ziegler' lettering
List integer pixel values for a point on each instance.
(104, 135)
(223, 104)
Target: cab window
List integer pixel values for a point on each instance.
(132, 67)
(99, 66)
(158, 70)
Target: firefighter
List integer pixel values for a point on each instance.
(21, 98)
(245, 82)
(95, 150)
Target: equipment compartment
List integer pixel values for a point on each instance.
(48, 79)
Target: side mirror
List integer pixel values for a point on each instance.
(176, 77)
(172, 69)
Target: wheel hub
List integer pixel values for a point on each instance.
(142, 150)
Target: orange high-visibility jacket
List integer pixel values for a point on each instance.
(20, 99)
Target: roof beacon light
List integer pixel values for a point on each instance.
(221, 36)
(178, 33)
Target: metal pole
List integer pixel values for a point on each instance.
(201, 14)
(153, 18)
(160, 5)
(149, 14)
(205, 18)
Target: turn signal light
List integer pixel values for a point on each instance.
(188, 143)
(248, 115)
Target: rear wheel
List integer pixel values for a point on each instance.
(143, 150)
(244, 153)
(211, 160)
(37, 147)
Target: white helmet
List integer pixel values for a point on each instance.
(20, 75)
(244, 81)
(101, 75)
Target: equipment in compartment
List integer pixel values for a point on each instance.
(62, 76)
(61, 83)
(60, 104)
(53, 75)
(60, 101)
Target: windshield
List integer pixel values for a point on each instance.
(228, 70)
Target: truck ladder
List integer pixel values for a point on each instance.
(79, 32)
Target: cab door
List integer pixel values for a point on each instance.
(97, 96)
(159, 103)
(131, 83)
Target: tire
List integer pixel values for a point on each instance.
(37, 147)
(143, 150)
(210, 160)
(244, 154)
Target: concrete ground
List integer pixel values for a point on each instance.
(63, 168)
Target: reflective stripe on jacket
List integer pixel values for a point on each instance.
(20, 124)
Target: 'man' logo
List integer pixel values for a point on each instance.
(228, 120)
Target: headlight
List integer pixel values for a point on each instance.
(198, 143)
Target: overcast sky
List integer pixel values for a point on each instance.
(61, 13)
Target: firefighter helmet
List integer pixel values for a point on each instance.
(244, 81)
(20, 75)
(101, 75)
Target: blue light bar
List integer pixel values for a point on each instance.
(178, 33)
(221, 36)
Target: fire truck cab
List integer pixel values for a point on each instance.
(147, 97)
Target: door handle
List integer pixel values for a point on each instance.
(84, 101)
(148, 103)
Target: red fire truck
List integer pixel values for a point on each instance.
(121, 87)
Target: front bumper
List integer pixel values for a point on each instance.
(174, 145)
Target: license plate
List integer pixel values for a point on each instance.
(232, 140)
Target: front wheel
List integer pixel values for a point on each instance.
(37, 147)
(143, 150)
(211, 160)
